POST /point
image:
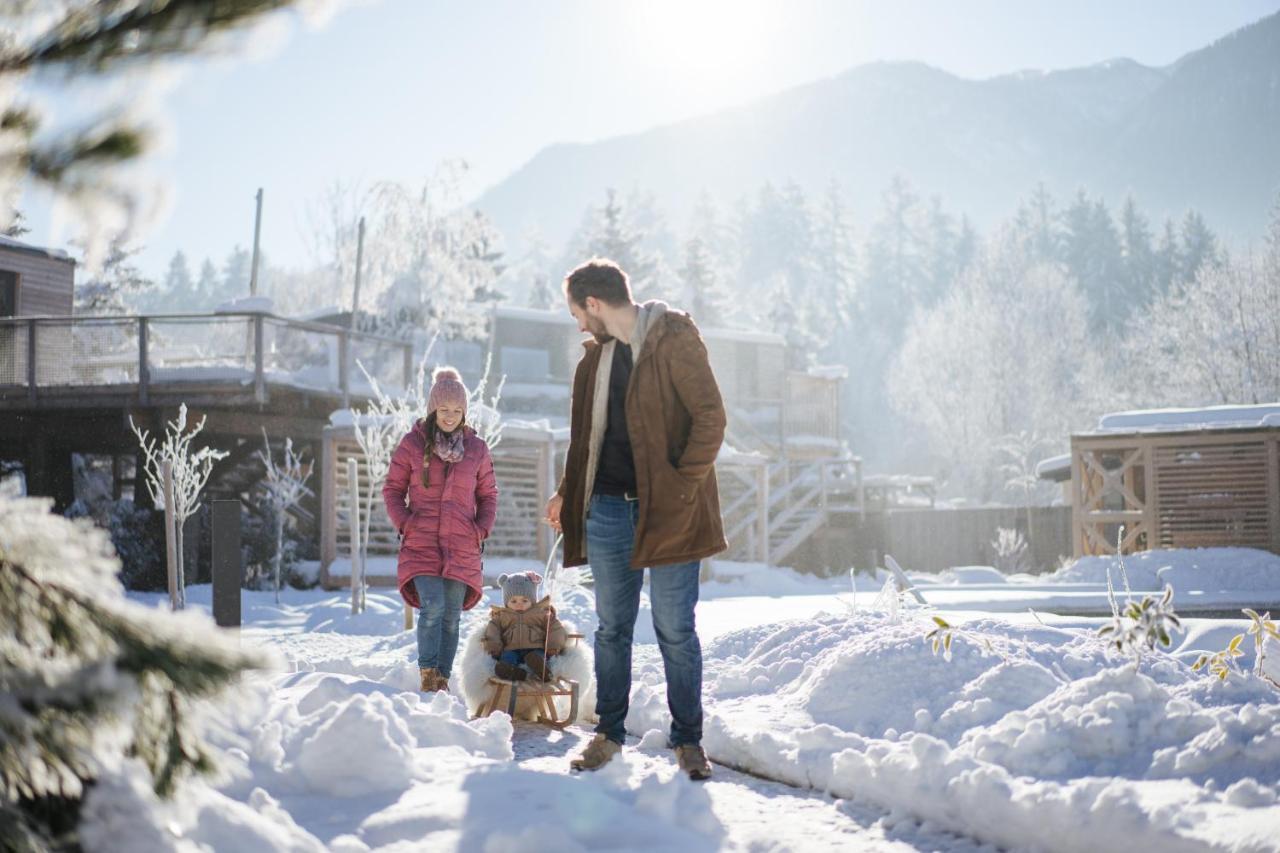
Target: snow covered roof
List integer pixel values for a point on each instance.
(247, 305)
(1055, 468)
(19, 246)
(1183, 420)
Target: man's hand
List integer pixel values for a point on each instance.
(553, 512)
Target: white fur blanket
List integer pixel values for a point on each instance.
(575, 663)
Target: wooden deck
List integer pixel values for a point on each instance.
(70, 385)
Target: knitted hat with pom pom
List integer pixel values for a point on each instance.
(446, 387)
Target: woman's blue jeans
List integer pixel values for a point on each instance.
(673, 593)
(438, 618)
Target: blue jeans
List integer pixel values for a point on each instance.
(438, 617)
(515, 657)
(673, 592)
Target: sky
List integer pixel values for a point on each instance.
(389, 90)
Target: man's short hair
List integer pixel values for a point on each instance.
(601, 278)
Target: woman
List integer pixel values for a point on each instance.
(442, 496)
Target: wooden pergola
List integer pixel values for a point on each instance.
(1177, 479)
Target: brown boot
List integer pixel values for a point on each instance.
(598, 753)
(693, 761)
(538, 666)
(442, 682)
(509, 671)
(430, 679)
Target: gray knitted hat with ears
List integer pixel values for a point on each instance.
(524, 583)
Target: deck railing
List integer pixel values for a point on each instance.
(251, 349)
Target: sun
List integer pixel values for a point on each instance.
(708, 45)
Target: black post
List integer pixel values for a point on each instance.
(226, 563)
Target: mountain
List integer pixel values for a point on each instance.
(1200, 133)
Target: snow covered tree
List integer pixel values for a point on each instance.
(1212, 341)
(117, 286)
(89, 678)
(708, 297)
(1036, 224)
(1008, 350)
(835, 257)
(611, 233)
(432, 263)
(1137, 257)
(191, 469)
(1199, 246)
(286, 485)
(1091, 255)
(208, 288)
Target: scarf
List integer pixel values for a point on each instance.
(448, 446)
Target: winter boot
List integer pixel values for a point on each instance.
(442, 682)
(430, 679)
(597, 754)
(509, 671)
(693, 761)
(538, 666)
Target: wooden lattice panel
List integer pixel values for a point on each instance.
(1213, 495)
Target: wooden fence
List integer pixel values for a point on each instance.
(930, 540)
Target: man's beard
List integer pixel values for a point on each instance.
(597, 330)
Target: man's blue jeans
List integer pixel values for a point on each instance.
(438, 617)
(673, 593)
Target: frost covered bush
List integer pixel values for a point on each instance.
(1012, 555)
(137, 534)
(88, 679)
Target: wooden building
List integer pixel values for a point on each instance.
(782, 473)
(1177, 478)
(35, 281)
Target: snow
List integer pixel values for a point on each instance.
(247, 305)
(1054, 468)
(1034, 735)
(1172, 420)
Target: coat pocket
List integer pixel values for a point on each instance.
(680, 486)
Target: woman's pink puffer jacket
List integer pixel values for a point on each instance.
(443, 524)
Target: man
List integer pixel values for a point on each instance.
(639, 490)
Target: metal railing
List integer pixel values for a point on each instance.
(140, 353)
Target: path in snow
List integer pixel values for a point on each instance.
(757, 814)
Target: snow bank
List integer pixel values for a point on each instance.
(1030, 737)
(1216, 569)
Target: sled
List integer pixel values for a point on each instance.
(534, 700)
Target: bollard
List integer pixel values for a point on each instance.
(227, 570)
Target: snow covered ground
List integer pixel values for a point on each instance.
(849, 732)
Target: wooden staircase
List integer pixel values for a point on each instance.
(800, 498)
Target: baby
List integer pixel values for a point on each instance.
(522, 629)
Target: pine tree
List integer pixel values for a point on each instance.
(836, 259)
(179, 289)
(1199, 246)
(208, 289)
(893, 270)
(88, 677)
(613, 237)
(1168, 260)
(1036, 222)
(1137, 257)
(705, 289)
(117, 287)
(235, 276)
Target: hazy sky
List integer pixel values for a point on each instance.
(386, 90)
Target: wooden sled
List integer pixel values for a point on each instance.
(533, 699)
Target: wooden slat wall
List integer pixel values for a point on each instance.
(1213, 495)
(45, 285)
(524, 479)
(1201, 490)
